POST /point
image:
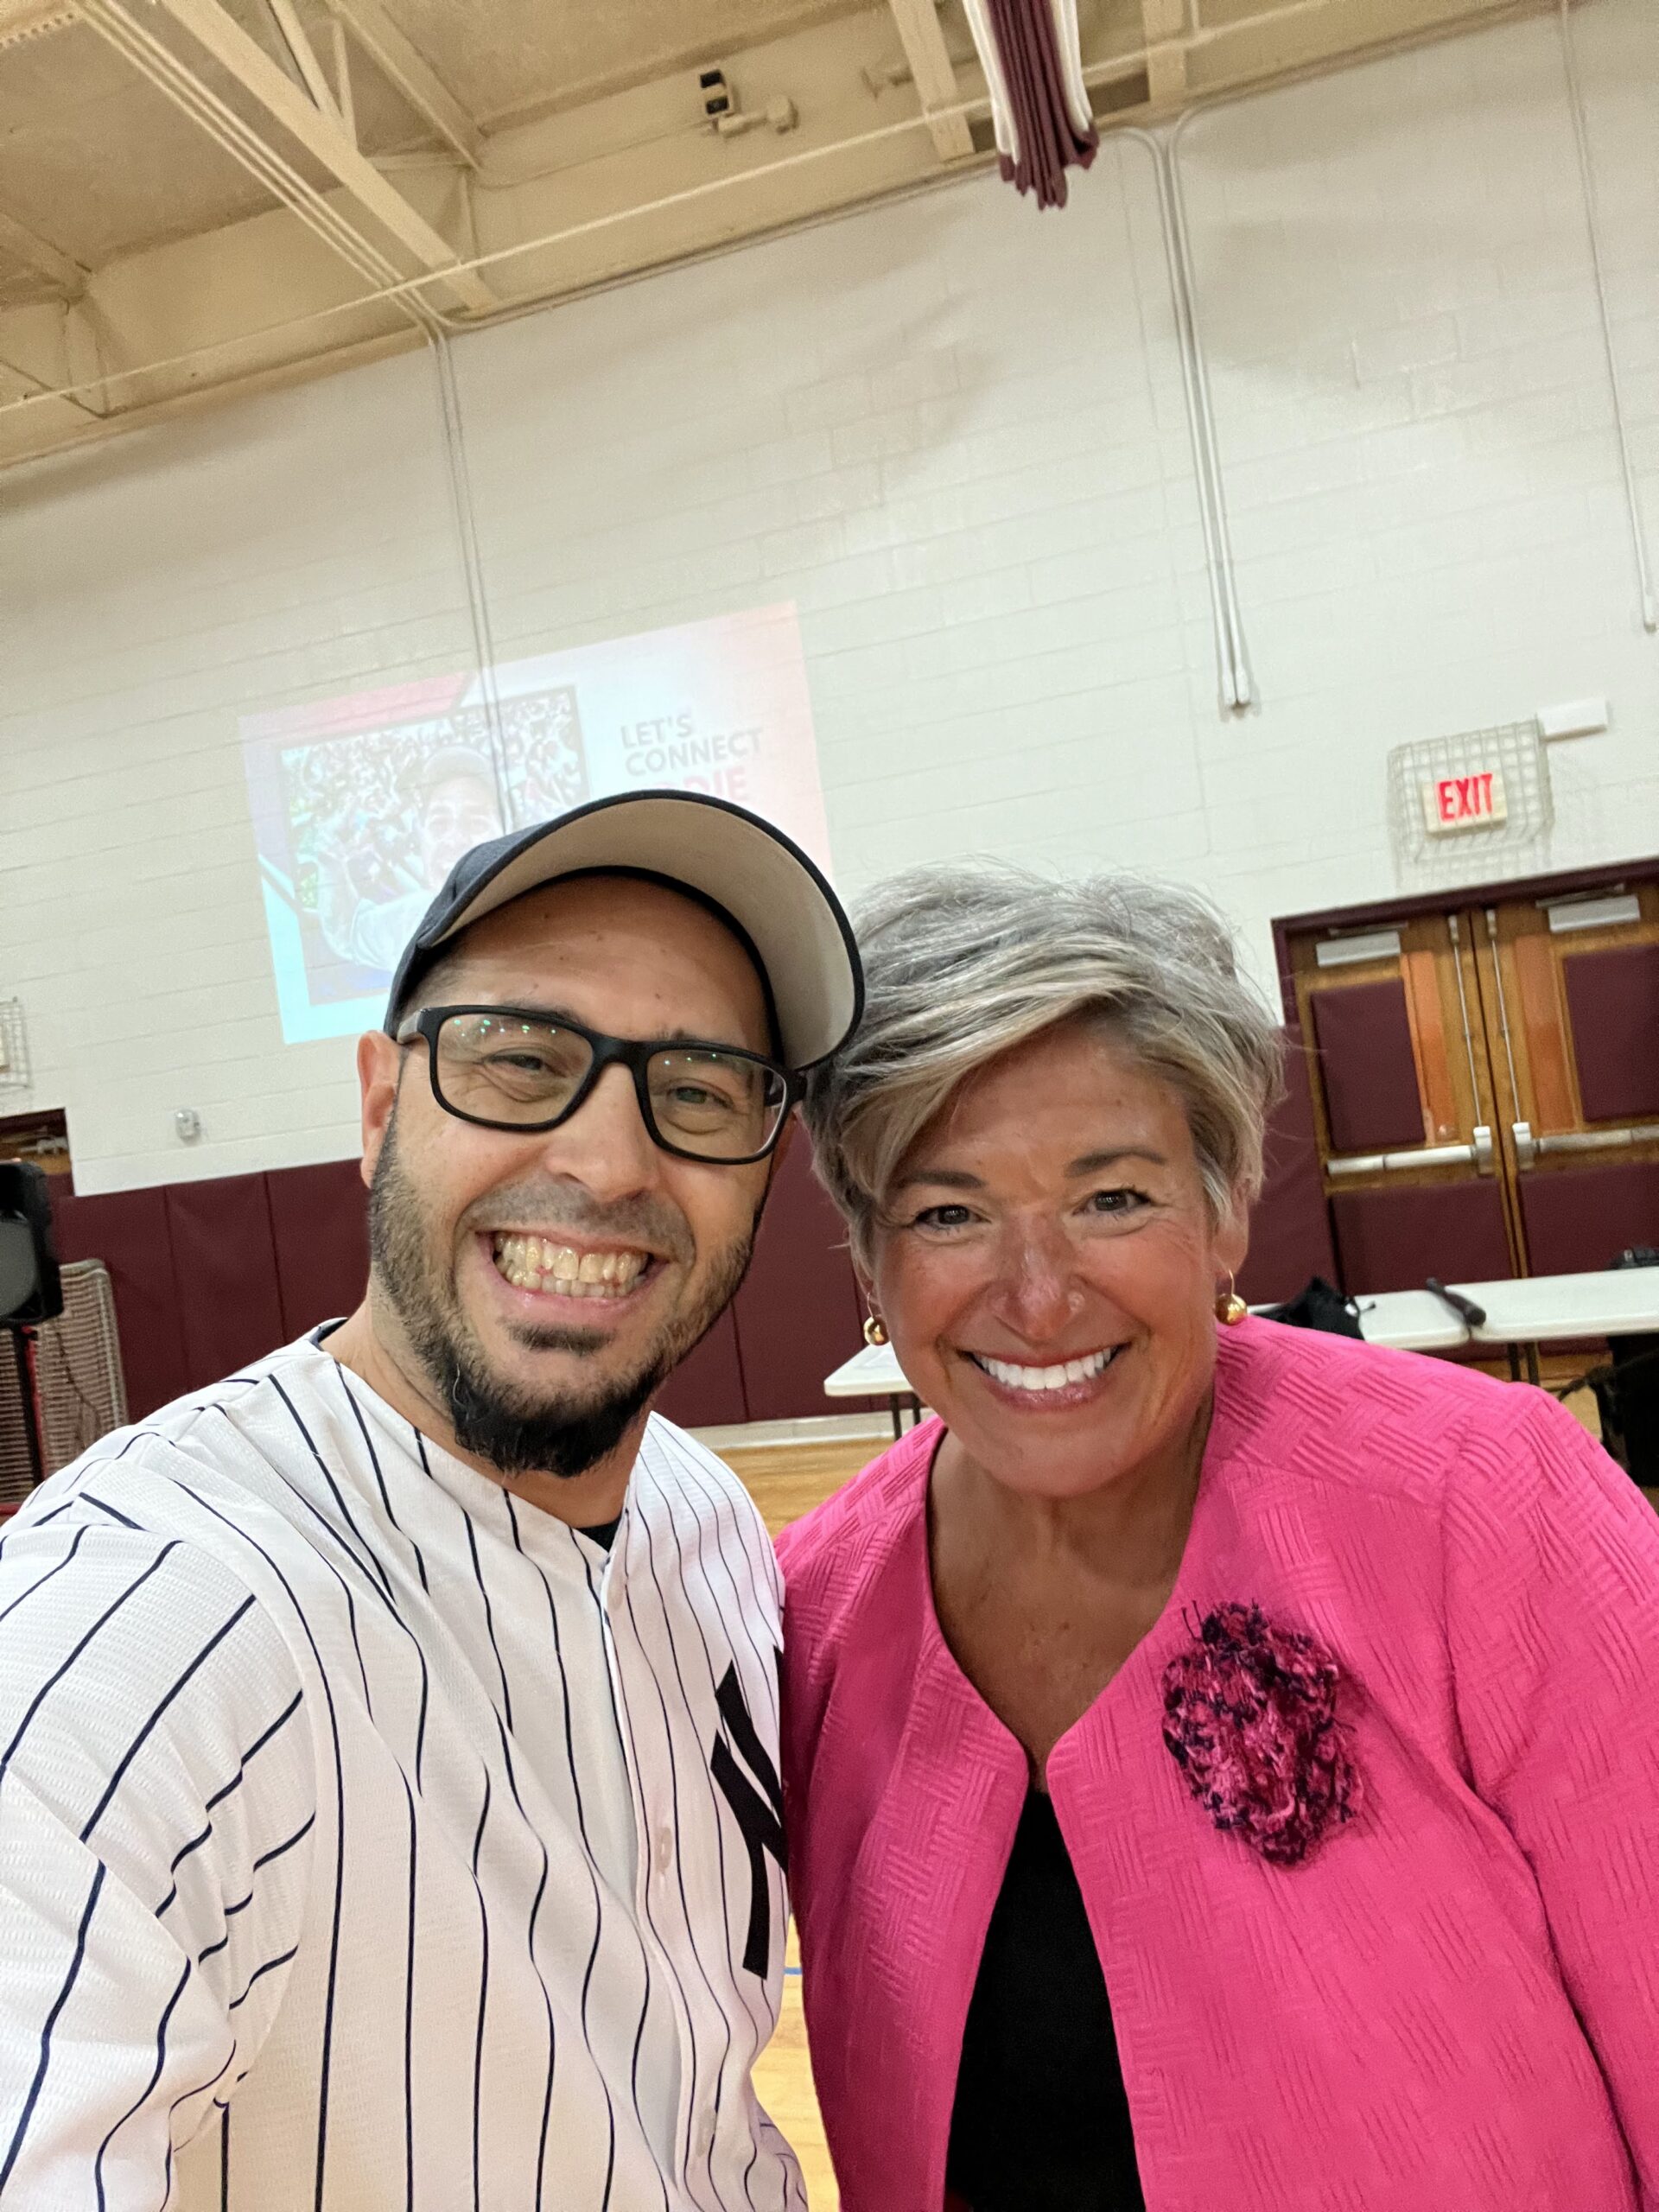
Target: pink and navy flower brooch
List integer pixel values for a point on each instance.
(1250, 1719)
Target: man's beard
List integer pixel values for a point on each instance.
(564, 1434)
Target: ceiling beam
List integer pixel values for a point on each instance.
(934, 74)
(324, 137)
(343, 96)
(22, 245)
(1165, 24)
(37, 388)
(305, 60)
(412, 73)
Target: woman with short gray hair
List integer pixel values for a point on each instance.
(1221, 1761)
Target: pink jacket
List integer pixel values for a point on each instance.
(1454, 2004)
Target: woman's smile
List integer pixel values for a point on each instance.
(1047, 1386)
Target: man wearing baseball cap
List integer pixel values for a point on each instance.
(389, 1805)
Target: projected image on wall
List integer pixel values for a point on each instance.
(362, 804)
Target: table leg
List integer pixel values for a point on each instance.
(1514, 1352)
(898, 1418)
(1533, 1374)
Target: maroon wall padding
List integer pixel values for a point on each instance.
(208, 1276)
(319, 1226)
(128, 1230)
(1584, 1217)
(1290, 1228)
(799, 1315)
(1362, 1033)
(1394, 1240)
(706, 1391)
(1613, 998)
(224, 1264)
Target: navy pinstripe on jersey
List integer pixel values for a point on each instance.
(369, 1840)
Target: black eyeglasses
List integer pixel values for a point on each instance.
(505, 1067)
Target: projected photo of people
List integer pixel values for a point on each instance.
(376, 820)
(362, 804)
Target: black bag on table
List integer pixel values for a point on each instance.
(1319, 1306)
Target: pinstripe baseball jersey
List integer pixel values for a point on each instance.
(372, 1842)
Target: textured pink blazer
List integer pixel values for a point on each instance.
(1452, 2006)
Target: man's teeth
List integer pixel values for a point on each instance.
(538, 1263)
(1045, 1378)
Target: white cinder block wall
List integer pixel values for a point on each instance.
(952, 431)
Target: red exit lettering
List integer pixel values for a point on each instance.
(1465, 798)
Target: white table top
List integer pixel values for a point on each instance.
(1609, 1302)
(1410, 1320)
(873, 1372)
(1537, 1309)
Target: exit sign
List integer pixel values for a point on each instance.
(1471, 802)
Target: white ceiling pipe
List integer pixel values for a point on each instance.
(1233, 682)
(1592, 229)
(1246, 688)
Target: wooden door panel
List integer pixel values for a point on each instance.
(1541, 1034)
(1423, 981)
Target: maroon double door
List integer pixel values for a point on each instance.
(1475, 1091)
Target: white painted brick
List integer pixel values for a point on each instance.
(1383, 354)
(955, 435)
(826, 406)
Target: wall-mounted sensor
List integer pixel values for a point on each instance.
(187, 1122)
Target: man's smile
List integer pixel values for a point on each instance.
(542, 1264)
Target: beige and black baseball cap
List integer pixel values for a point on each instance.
(757, 880)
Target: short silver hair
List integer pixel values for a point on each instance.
(964, 962)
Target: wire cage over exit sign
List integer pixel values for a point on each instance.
(1470, 808)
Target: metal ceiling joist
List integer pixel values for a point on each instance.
(412, 73)
(38, 388)
(324, 137)
(934, 74)
(305, 60)
(22, 245)
(1166, 26)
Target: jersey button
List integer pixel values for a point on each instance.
(665, 1851)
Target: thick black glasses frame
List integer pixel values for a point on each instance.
(607, 1051)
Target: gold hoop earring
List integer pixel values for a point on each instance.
(1230, 1308)
(875, 1332)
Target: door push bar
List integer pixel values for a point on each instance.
(1528, 1147)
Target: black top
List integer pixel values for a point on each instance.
(603, 1533)
(1041, 2123)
